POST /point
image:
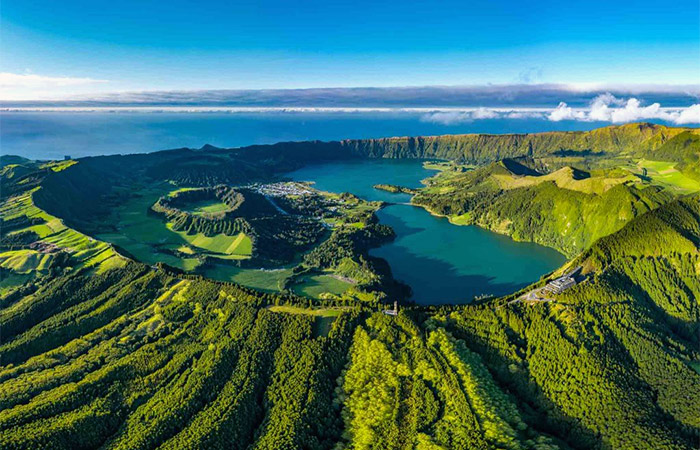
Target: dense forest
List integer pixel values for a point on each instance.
(101, 351)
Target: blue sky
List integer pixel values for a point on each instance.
(80, 47)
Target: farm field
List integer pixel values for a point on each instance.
(52, 231)
(239, 246)
(268, 280)
(315, 285)
(665, 173)
(145, 236)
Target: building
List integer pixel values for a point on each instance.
(392, 312)
(560, 284)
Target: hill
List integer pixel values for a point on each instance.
(139, 358)
(567, 209)
(100, 350)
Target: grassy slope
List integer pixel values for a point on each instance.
(635, 139)
(84, 251)
(134, 358)
(315, 286)
(567, 209)
(156, 361)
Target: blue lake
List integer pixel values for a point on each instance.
(440, 261)
(443, 263)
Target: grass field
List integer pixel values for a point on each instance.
(239, 245)
(324, 316)
(665, 173)
(143, 235)
(564, 178)
(320, 312)
(315, 285)
(207, 207)
(24, 261)
(85, 251)
(265, 280)
(11, 280)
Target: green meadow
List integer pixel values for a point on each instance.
(86, 251)
(267, 280)
(315, 286)
(323, 317)
(152, 240)
(207, 207)
(665, 173)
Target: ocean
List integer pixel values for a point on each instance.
(53, 135)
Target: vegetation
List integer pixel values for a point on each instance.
(100, 350)
(395, 189)
(568, 209)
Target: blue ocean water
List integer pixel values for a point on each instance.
(51, 135)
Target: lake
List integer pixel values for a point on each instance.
(443, 263)
(440, 261)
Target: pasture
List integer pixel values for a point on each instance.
(149, 239)
(315, 286)
(204, 207)
(324, 317)
(268, 280)
(665, 173)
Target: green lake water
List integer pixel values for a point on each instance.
(443, 263)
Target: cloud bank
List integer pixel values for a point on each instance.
(438, 104)
(603, 108)
(30, 80)
(523, 95)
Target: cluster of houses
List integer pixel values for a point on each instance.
(44, 247)
(282, 189)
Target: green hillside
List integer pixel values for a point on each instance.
(104, 348)
(568, 209)
(137, 358)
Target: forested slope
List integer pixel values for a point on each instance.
(638, 139)
(99, 351)
(140, 358)
(568, 209)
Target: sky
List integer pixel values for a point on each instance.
(77, 49)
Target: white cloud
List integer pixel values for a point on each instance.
(565, 112)
(470, 115)
(608, 108)
(448, 117)
(524, 115)
(30, 86)
(31, 80)
(484, 113)
(689, 115)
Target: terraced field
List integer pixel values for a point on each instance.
(54, 236)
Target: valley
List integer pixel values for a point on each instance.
(234, 298)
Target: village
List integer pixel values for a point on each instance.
(282, 189)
